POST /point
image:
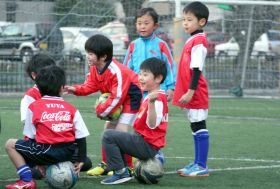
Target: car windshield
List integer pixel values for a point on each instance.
(273, 36)
(88, 33)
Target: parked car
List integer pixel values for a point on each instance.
(74, 39)
(117, 32)
(268, 45)
(22, 40)
(214, 38)
(230, 48)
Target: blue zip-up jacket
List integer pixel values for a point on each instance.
(143, 48)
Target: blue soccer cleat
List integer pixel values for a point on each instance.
(186, 168)
(117, 178)
(195, 171)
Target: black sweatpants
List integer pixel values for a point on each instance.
(117, 143)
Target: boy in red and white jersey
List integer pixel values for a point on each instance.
(36, 63)
(52, 126)
(150, 126)
(109, 76)
(191, 90)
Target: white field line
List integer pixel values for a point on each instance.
(174, 172)
(210, 158)
(276, 162)
(235, 168)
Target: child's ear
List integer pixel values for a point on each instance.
(159, 79)
(202, 22)
(156, 26)
(104, 57)
(33, 75)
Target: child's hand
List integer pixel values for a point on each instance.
(78, 166)
(68, 90)
(169, 94)
(152, 97)
(186, 97)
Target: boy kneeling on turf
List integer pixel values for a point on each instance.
(149, 127)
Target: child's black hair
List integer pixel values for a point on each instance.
(37, 62)
(50, 79)
(147, 11)
(198, 9)
(100, 45)
(156, 66)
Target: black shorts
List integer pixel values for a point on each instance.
(44, 154)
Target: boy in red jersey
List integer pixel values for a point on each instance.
(36, 63)
(150, 126)
(191, 90)
(52, 126)
(109, 76)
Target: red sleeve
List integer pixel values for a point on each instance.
(88, 87)
(120, 84)
(127, 60)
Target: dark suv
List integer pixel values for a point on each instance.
(22, 40)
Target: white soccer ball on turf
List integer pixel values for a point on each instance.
(148, 172)
(61, 175)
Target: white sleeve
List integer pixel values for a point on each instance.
(29, 128)
(81, 130)
(198, 56)
(24, 104)
(159, 110)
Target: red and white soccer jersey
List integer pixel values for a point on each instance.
(118, 80)
(30, 96)
(51, 120)
(154, 136)
(193, 56)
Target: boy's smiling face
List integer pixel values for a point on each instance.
(148, 82)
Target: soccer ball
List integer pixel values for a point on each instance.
(61, 175)
(149, 171)
(113, 116)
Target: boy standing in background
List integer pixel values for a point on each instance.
(191, 91)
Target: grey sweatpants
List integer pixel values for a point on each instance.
(117, 143)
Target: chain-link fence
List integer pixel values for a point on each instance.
(243, 38)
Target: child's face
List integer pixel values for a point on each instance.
(191, 23)
(147, 81)
(93, 60)
(145, 25)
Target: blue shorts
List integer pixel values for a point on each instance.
(44, 154)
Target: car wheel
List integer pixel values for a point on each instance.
(26, 55)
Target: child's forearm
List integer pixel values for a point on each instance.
(152, 115)
(82, 149)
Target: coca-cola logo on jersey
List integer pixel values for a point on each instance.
(58, 116)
